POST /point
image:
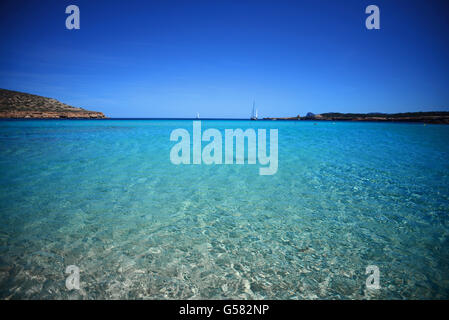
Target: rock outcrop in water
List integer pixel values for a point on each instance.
(298, 117)
(19, 105)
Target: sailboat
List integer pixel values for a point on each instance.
(254, 113)
(197, 115)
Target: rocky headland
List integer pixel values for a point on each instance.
(19, 105)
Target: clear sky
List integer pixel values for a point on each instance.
(175, 58)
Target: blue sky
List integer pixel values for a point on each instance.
(175, 58)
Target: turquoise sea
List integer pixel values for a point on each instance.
(104, 196)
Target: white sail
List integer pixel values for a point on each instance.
(254, 113)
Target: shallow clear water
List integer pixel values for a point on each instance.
(104, 196)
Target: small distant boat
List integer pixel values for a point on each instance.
(197, 115)
(254, 113)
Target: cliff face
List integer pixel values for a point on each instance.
(15, 104)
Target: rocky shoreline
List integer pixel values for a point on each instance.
(19, 105)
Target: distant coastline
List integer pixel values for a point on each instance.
(437, 117)
(19, 105)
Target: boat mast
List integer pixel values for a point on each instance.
(254, 113)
